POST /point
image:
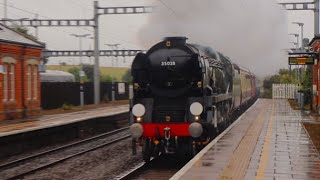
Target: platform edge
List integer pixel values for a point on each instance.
(185, 168)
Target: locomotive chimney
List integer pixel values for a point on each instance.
(177, 40)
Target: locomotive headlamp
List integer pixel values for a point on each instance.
(195, 129)
(138, 110)
(139, 119)
(136, 86)
(196, 108)
(136, 130)
(199, 83)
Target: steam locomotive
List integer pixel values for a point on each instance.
(184, 95)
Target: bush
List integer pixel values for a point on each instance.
(89, 71)
(106, 98)
(127, 77)
(106, 78)
(66, 107)
(75, 71)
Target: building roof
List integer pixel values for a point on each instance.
(9, 35)
(56, 76)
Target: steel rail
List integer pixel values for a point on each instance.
(12, 163)
(24, 159)
(132, 172)
(66, 158)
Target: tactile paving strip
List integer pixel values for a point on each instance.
(269, 142)
(284, 150)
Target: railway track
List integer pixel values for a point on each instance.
(163, 167)
(30, 164)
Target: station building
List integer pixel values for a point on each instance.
(20, 57)
(315, 44)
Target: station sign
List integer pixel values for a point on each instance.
(302, 58)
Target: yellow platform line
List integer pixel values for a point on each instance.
(266, 148)
(240, 159)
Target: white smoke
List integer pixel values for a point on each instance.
(253, 33)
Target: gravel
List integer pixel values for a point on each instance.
(104, 163)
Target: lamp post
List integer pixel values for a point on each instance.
(90, 48)
(298, 68)
(297, 36)
(302, 49)
(113, 47)
(81, 73)
(300, 25)
(295, 44)
(297, 47)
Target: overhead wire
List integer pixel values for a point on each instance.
(28, 29)
(168, 7)
(59, 59)
(102, 34)
(118, 21)
(59, 29)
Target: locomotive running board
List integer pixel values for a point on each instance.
(221, 97)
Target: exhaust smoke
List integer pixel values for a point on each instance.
(253, 33)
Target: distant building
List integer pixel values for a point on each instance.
(56, 76)
(20, 58)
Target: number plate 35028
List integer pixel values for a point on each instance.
(168, 63)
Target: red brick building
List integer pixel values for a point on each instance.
(315, 44)
(20, 58)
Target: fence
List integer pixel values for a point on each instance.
(55, 94)
(284, 91)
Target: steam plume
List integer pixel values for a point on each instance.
(253, 33)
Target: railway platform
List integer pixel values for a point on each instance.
(267, 142)
(12, 127)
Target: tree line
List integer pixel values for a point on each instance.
(290, 76)
(89, 75)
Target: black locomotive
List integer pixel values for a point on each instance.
(183, 96)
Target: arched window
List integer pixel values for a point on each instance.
(29, 82)
(32, 79)
(9, 79)
(35, 82)
(12, 82)
(5, 82)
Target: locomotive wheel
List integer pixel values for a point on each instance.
(195, 149)
(184, 150)
(212, 132)
(134, 146)
(156, 151)
(228, 118)
(188, 149)
(146, 151)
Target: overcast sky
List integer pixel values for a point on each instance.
(122, 29)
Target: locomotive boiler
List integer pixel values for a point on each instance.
(183, 96)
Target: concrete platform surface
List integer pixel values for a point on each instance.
(266, 142)
(59, 119)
